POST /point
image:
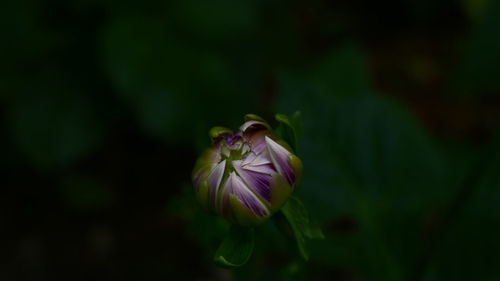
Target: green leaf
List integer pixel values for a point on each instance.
(303, 230)
(290, 128)
(236, 248)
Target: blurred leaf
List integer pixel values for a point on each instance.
(479, 70)
(236, 248)
(343, 71)
(85, 193)
(475, 8)
(290, 128)
(468, 248)
(54, 124)
(160, 75)
(185, 207)
(370, 169)
(216, 20)
(149, 70)
(298, 219)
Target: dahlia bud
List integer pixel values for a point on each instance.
(247, 175)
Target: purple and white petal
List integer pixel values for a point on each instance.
(261, 159)
(257, 141)
(258, 145)
(215, 178)
(259, 183)
(250, 158)
(257, 159)
(231, 139)
(234, 185)
(279, 156)
(264, 169)
(245, 148)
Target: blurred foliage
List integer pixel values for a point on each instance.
(105, 106)
(480, 69)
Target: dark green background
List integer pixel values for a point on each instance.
(105, 106)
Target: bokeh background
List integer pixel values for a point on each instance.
(106, 104)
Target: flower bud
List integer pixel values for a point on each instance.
(246, 175)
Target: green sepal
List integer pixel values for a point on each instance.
(290, 128)
(297, 167)
(280, 192)
(236, 248)
(216, 132)
(203, 162)
(299, 221)
(202, 196)
(254, 117)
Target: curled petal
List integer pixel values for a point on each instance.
(250, 158)
(264, 168)
(215, 178)
(257, 159)
(259, 183)
(204, 165)
(236, 187)
(253, 125)
(257, 141)
(279, 156)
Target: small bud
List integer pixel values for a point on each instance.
(248, 175)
